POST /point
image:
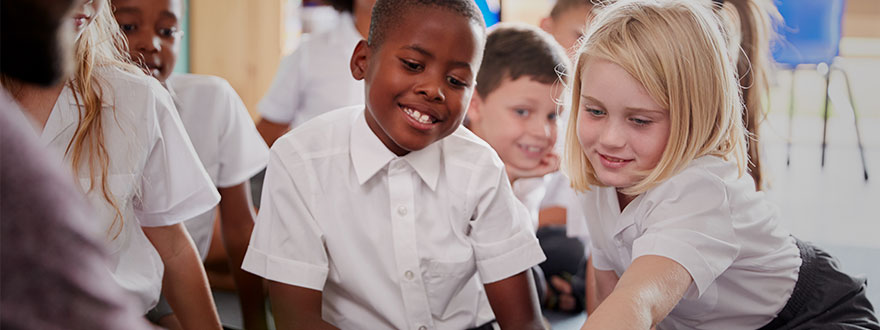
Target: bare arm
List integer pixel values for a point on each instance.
(600, 283)
(271, 131)
(515, 302)
(645, 294)
(296, 307)
(237, 223)
(184, 283)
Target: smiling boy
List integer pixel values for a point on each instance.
(392, 215)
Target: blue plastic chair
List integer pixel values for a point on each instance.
(811, 35)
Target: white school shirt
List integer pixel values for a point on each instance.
(712, 222)
(393, 242)
(530, 192)
(316, 77)
(223, 135)
(154, 173)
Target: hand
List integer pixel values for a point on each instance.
(548, 164)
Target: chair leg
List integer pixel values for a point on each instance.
(790, 116)
(825, 116)
(855, 121)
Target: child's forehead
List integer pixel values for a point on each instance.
(428, 29)
(167, 7)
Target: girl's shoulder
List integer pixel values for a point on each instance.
(123, 88)
(706, 176)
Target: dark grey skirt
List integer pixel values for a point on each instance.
(824, 297)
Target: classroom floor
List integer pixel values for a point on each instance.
(832, 206)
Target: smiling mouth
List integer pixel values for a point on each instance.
(531, 150)
(420, 117)
(613, 160)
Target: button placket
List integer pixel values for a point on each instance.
(401, 198)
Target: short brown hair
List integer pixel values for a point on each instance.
(562, 5)
(514, 50)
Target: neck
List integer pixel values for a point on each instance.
(624, 199)
(362, 20)
(38, 101)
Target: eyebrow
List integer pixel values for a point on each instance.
(634, 109)
(135, 10)
(429, 54)
(127, 10)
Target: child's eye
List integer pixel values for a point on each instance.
(410, 65)
(640, 122)
(128, 27)
(595, 112)
(552, 116)
(167, 33)
(521, 112)
(455, 82)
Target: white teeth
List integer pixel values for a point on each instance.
(418, 116)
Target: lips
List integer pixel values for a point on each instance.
(613, 162)
(532, 151)
(421, 118)
(80, 20)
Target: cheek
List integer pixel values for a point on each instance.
(654, 145)
(585, 131)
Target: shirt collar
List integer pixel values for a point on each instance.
(65, 113)
(369, 155)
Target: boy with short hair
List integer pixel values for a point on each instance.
(515, 110)
(567, 22)
(389, 215)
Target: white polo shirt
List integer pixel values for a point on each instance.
(713, 222)
(223, 135)
(154, 173)
(316, 77)
(393, 242)
(530, 192)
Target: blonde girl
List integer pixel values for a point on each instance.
(656, 146)
(119, 132)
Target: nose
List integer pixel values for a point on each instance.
(432, 90)
(541, 127)
(612, 136)
(149, 43)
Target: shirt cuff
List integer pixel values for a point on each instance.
(284, 270)
(684, 254)
(519, 253)
(194, 205)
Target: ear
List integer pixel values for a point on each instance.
(474, 108)
(360, 60)
(546, 24)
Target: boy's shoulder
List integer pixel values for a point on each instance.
(463, 146)
(328, 131)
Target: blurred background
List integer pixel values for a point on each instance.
(833, 201)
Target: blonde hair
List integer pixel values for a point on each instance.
(101, 44)
(676, 50)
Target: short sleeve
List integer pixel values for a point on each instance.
(504, 242)
(691, 224)
(287, 244)
(174, 185)
(600, 259)
(244, 153)
(284, 97)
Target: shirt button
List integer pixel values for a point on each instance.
(409, 275)
(423, 328)
(401, 210)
